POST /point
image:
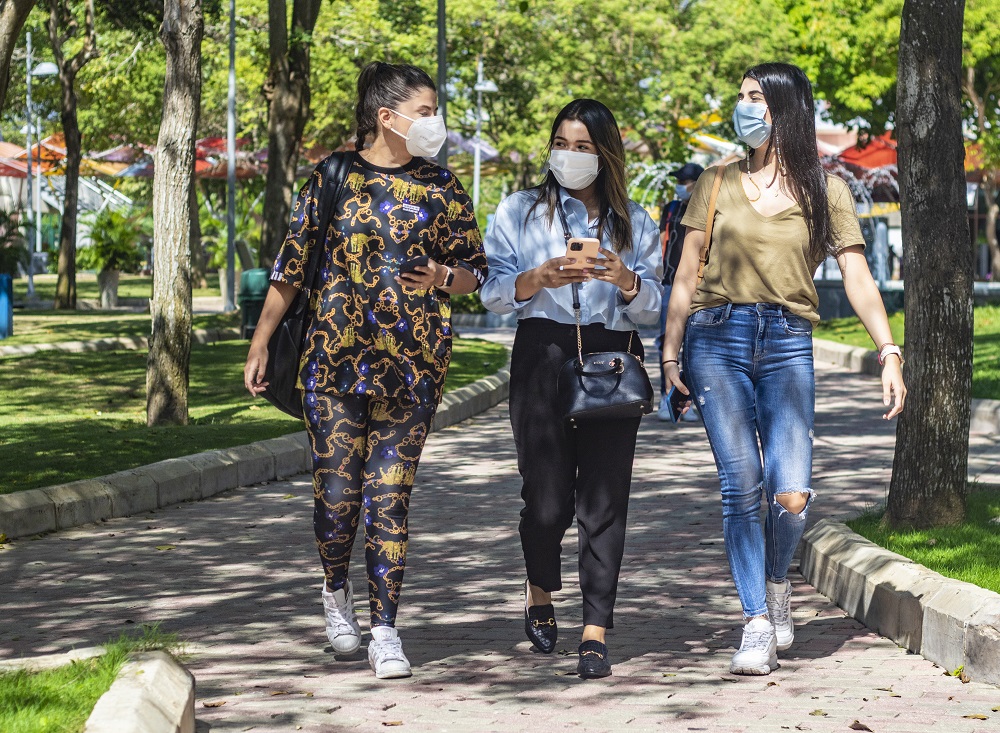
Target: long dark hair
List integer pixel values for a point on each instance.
(788, 94)
(385, 85)
(612, 191)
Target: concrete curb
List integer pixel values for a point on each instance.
(153, 693)
(201, 475)
(985, 413)
(198, 336)
(951, 623)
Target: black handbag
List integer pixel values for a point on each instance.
(285, 347)
(607, 385)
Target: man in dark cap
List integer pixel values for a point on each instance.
(671, 240)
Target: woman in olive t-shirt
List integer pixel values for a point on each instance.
(747, 333)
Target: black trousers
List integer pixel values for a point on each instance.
(586, 470)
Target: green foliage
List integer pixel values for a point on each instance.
(969, 551)
(986, 344)
(60, 700)
(114, 242)
(45, 439)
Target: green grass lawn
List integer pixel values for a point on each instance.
(60, 700)
(985, 361)
(49, 327)
(65, 417)
(969, 552)
(129, 286)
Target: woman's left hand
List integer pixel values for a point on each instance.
(423, 277)
(893, 388)
(614, 270)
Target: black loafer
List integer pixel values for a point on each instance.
(593, 661)
(540, 625)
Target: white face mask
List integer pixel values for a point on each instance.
(748, 119)
(573, 170)
(682, 192)
(426, 135)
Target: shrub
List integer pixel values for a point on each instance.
(114, 243)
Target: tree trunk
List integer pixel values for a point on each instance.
(288, 96)
(170, 308)
(932, 450)
(61, 30)
(13, 13)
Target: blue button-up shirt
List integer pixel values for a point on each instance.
(515, 245)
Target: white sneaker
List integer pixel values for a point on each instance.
(385, 654)
(663, 411)
(779, 609)
(341, 622)
(758, 653)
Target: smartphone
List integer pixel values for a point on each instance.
(677, 400)
(412, 265)
(580, 248)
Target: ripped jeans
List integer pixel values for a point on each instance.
(750, 369)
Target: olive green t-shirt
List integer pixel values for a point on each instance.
(764, 259)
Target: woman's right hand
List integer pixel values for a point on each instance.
(253, 370)
(555, 274)
(672, 373)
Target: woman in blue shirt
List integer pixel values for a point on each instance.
(584, 470)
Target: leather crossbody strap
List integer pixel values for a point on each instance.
(710, 222)
(336, 168)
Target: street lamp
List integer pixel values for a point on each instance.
(482, 85)
(46, 68)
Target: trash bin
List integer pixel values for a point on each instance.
(6, 306)
(253, 290)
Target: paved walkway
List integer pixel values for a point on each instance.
(237, 578)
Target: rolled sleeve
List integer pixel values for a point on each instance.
(464, 246)
(645, 307)
(502, 246)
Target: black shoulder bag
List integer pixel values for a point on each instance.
(609, 385)
(284, 349)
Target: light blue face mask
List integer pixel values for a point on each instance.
(748, 119)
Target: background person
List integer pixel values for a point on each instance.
(747, 331)
(671, 243)
(586, 470)
(380, 342)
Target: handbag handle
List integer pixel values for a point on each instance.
(335, 170)
(710, 222)
(576, 300)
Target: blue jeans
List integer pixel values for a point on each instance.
(750, 368)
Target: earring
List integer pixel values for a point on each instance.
(781, 163)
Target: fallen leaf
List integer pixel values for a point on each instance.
(996, 709)
(772, 684)
(166, 547)
(669, 674)
(389, 706)
(218, 704)
(977, 716)
(280, 692)
(254, 407)
(307, 694)
(858, 725)
(288, 496)
(3, 538)
(818, 713)
(392, 722)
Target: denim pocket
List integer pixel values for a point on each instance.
(797, 325)
(709, 316)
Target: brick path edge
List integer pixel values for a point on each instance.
(952, 623)
(201, 475)
(985, 413)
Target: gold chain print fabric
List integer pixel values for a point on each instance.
(370, 335)
(376, 354)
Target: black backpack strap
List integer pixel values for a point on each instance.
(336, 168)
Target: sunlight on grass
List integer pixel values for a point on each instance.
(986, 344)
(969, 552)
(65, 417)
(60, 700)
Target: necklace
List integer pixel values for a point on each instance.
(754, 184)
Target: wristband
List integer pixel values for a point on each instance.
(888, 349)
(634, 290)
(671, 361)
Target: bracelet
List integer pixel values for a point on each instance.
(888, 350)
(671, 361)
(634, 290)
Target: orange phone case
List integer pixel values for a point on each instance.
(581, 248)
